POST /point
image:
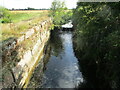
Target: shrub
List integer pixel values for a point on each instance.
(4, 15)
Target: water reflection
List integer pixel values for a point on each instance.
(62, 69)
(59, 68)
(56, 43)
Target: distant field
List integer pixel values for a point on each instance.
(28, 11)
(21, 21)
(19, 15)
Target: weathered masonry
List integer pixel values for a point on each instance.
(21, 55)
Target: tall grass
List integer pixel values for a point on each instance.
(21, 21)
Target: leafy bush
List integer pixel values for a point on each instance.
(4, 15)
(67, 16)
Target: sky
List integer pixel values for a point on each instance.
(21, 4)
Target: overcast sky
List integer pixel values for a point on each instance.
(20, 4)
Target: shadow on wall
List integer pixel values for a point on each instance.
(53, 47)
(10, 58)
(36, 79)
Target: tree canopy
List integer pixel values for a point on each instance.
(97, 33)
(59, 12)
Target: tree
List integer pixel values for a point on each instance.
(97, 35)
(57, 12)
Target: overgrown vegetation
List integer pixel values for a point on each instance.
(20, 22)
(4, 15)
(7, 16)
(60, 13)
(97, 43)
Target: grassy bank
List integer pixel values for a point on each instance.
(21, 21)
(17, 16)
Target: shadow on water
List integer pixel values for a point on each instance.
(56, 42)
(53, 47)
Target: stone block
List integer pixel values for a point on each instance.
(29, 33)
(20, 39)
(37, 28)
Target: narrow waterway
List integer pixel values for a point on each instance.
(61, 69)
(63, 66)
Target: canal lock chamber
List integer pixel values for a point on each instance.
(59, 67)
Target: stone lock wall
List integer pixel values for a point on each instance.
(21, 55)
